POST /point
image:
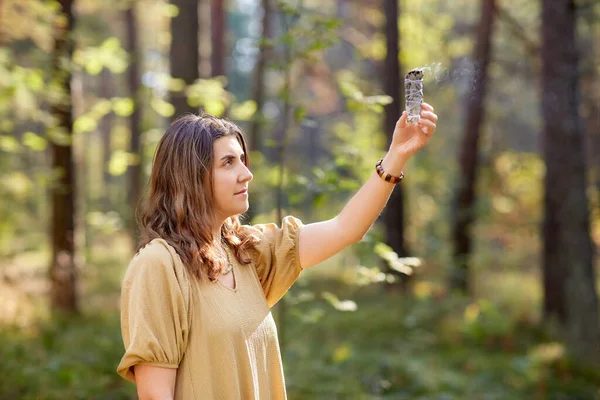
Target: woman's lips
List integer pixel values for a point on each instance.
(245, 191)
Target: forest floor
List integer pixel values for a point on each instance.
(341, 339)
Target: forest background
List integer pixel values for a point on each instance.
(479, 281)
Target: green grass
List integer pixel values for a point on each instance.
(422, 345)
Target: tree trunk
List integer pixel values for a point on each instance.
(465, 196)
(106, 91)
(259, 77)
(219, 23)
(135, 147)
(590, 81)
(567, 261)
(183, 55)
(258, 96)
(62, 268)
(393, 214)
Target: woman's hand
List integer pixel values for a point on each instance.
(408, 139)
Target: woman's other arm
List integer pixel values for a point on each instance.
(321, 240)
(155, 383)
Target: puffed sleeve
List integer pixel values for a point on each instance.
(155, 306)
(278, 261)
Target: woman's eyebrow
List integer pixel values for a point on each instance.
(230, 156)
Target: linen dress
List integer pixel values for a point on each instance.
(223, 341)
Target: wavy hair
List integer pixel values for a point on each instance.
(179, 205)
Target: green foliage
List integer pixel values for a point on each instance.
(424, 345)
(109, 55)
(65, 359)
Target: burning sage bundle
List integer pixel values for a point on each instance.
(413, 90)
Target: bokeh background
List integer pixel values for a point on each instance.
(479, 281)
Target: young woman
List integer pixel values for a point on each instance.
(196, 298)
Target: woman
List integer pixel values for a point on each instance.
(196, 298)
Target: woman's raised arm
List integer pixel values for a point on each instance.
(321, 240)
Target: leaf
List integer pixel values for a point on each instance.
(163, 108)
(214, 107)
(299, 114)
(243, 111)
(172, 10)
(176, 85)
(381, 99)
(118, 163)
(93, 66)
(342, 353)
(18, 184)
(84, 123)
(34, 142)
(9, 144)
(403, 265)
(123, 106)
(35, 80)
(345, 305)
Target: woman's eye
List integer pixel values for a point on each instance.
(228, 162)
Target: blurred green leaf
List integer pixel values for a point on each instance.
(243, 111)
(299, 113)
(119, 161)
(341, 305)
(172, 11)
(123, 106)
(162, 107)
(18, 184)
(404, 265)
(9, 144)
(34, 142)
(85, 123)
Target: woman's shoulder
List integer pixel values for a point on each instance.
(270, 235)
(155, 250)
(261, 229)
(156, 257)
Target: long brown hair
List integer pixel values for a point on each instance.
(179, 207)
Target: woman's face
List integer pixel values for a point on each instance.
(230, 177)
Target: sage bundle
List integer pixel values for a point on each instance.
(413, 92)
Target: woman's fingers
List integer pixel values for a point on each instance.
(426, 106)
(401, 123)
(426, 125)
(429, 115)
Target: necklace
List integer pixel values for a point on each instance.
(229, 265)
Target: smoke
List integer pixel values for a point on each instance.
(461, 74)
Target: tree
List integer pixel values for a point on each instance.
(135, 148)
(259, 76)
(464, 215)
(590, 85)
(393, 215)
(258, 95)
(219, 23)
(567, 260)
(183, 55)
(62, 267)
(107, 91)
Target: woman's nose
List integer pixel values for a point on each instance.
(246, 175)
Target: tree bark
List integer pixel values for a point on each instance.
(62, 268)
(567, 261)
(465, 197)
(106, 91)
(135, 146)
(259, 77)
(590, 81)
(183, 54)
(393, 86)
(258, 95)
(219, 44)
